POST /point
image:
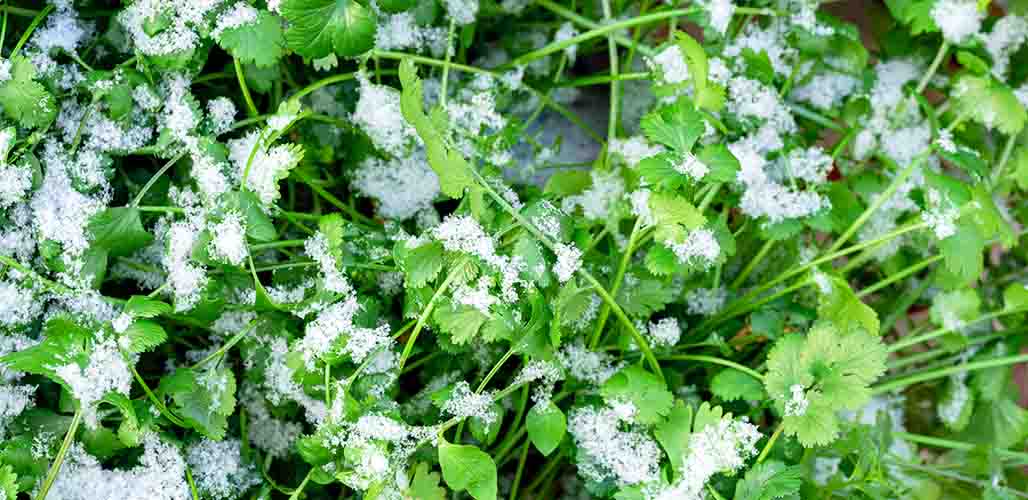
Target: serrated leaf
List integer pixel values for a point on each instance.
(139, 306)
(546, 427)
(144, 335)
(25, 100)
(468, 468)
(962, 252)
(204, 399)
(841, 306)
(677, 126)
(260, 43)
(645, 296)
(990, 103)
(318, 28)
(722, 164)
(460, 321)
(731, 385)
(661, 261)
(645, 390)
(425, 485)
(8, 483)
(769, 480)
(449, 165)
(259, 227)
(118, 231)
(422, 264)
(673, 434)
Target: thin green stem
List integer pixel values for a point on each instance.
(939, 57)
(880, 200)
(303, 484)
(423, 317)
(52, 285)
(276, 244)
(714, 360)
(899, 275)
(496, 368)
(446, 63)
(355, 216)
(615, 94)
(161, 407)
(251, 109)
(770, 443)
(32, 27)
(938, 332)
(192, 484)
(18, 11)
(752, 264)
(153, 180)
(954, 445)
(1008, 148)
(947, 371)
(228, 345)
(626, 257)
(809, 114)
(55, 467)
(520, 469)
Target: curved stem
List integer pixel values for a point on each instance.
(954, 445)
(752, 264)
(496, 368)
(55, 467)
(228, 345)
(770, 443)
(303, 484)
(714, 360)
(939, 56)
(250, 107)
(153, 180)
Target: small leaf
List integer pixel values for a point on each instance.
(468, 468)
(119, 231)
(722, 163)
(731, 384)
(144, 335)
(673, 434)
(425, 484)
(643, 389)
(25, 100)
(260, 42)
(318, 28)
(139, 306)
(769, 480)
(546, 427)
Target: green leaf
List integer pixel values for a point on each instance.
(128, 430)
(673, 215)
(990, 103)
(677, 126)
(8, 483)
(119, 231)
(1000, 424)
(661, 261)
(841, 306)
(546, 427)
(461, 321)
(673, 434)
(722, 164)
(203, 399)
(259, 227)
(449, 165)
(318, 28)
(144, 335)
(707, 415)
(769, 480)
(962, 252)
(731, 385)
(260, 43)
(645, 390)
(422, 264)
(468, 468)
(955, 307)
(1015, 296)
(139, 306)
(956, 405)
(25, 100)
(425, 484)
(644, 296)
(696, 59)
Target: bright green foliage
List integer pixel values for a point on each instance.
(144, 335)
(139, 306)
(677, 126)
(65, 342)
(990, 103)
(423, 263)
(769, 480)
(460, 321)
(673, 433)
(546, 427)
(119, 231)
(468, 468)
(425, 484)
(841, 306)
(834, 368)
(318, 28)
(260, 43)
(648, 393)
(962, 252)
(8, 483)
(955, 308)
(24, 100)
(674, 217)
(451, 167)
(205, 410)
(731, 385)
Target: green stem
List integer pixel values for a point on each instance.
(815, 117)
(938, 332)
(603, 79)
(28, 31)
(303, 484)
(276, 244)
(228, 345)
(601, 321)
(899, 276)
(52, 285)
(446, 63)
(153, 180)
(615, 94)
(192, 484)
(423, 317)
(934, 353)
(55, 467)
(1008, 148)
(161, 407)
(250, 107)
(496, 368)
(18, 11)
(716, 361)
(356, 216)
(947, 371)
(752, 264)
(519, 471)
(585, 22)
(939, 57)
(954, 445)
(770, 443)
